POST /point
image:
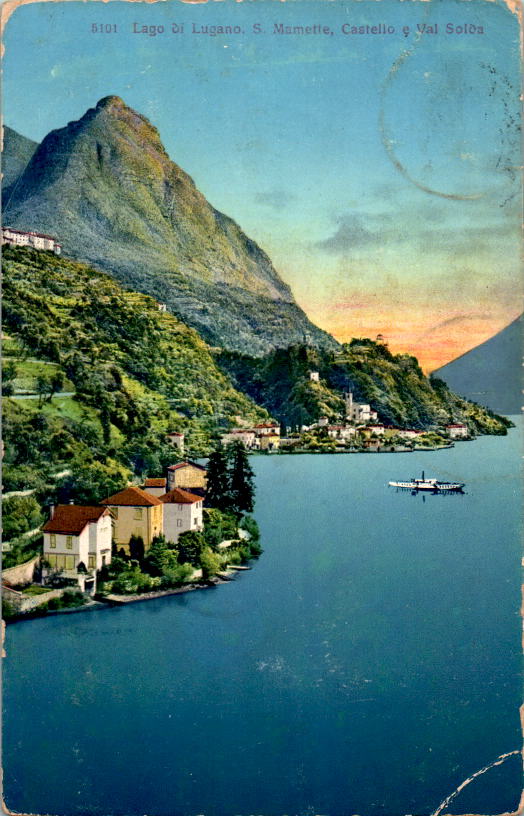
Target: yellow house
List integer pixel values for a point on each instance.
(186, 475)
(135, 513)
(269, 441)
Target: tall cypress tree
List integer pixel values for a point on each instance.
(241, 479)
(217, 494)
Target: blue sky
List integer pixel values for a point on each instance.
(378, 171)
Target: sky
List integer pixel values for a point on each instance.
(377, 170)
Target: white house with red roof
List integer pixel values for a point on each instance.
(457, 430)
(267, 429)
(183, 511)
(78, 535)
(247, 436)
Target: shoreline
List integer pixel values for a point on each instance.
(112, 601)
(331, 452)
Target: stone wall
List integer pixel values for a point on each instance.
(26, 603)
(21, 574)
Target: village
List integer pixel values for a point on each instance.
(357, 431)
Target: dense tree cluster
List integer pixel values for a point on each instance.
(230, 479)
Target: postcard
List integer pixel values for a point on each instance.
(261, 379)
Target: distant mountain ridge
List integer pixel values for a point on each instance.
(106, 186)
(491, 373)
(17, 151)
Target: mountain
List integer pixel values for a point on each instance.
(17, 151)
(106, 186)
(490, 374)
(394, 386)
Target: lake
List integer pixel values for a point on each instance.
(368, 664)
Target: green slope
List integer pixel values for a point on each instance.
(17, 151)
(137, 373)
(394, 386)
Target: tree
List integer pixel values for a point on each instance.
(217, 494)
(241, 479)
(8, 377)
(160, 557)
(190, 547)
(136, 548)
(19, 515)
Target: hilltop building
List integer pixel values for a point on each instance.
(135, 513)
(35, 240)
(77, 542)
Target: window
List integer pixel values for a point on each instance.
(60, 561)
(69, 562)
(138, 513)
(195, 522)
(52, 541)
(180, 508)
(179, 522)
(69, 542)
(52, 559)
(91, 561)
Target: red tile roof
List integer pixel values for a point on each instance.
(72, 518)
(178, 496)
(132, 497)
(186, 464)
(30, 232)
(155, 482)
(175, 433)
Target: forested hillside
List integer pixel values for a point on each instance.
(132, 373)
(394, 386)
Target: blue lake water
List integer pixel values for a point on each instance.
(368, 664)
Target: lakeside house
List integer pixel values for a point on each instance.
(135, 513)
(457, 430)
(341, 432)
(263, 436)
(77, 542)
(248, 438)
(183, 511)
(186, 475)
(35, 240)
(267, 429)
(156, 487)
(270, 441)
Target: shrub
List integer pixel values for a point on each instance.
(210, 563)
